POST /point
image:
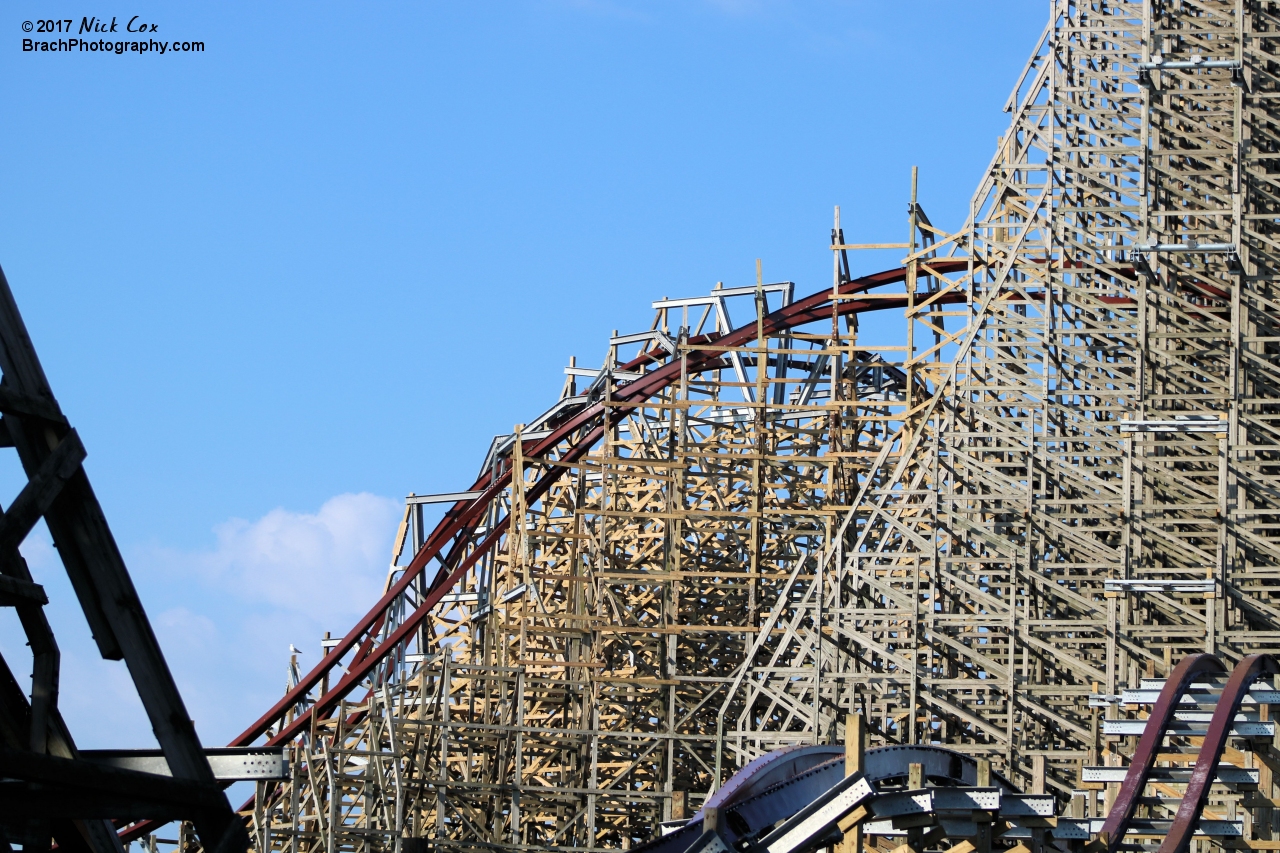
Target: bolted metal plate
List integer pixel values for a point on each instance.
(228, 765)
(1242, 728)
(881, 827)
(1227, 774)
(1027, 805)
(1069, 829)
(965, 799)
(817, 823)
(902, 803)
(1139, 827)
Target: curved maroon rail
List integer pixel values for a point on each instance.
(1215, 741)
(466, 515)
(1144, 757)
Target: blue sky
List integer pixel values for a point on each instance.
(279, 284)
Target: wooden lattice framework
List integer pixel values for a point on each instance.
(1063, 480)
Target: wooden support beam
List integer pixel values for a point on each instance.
(855, 746)
(59, 489)
(14, 590)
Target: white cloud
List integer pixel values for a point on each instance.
(285, 578)
(225, 615)
(329, 564)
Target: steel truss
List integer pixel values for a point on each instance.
(1064, 480)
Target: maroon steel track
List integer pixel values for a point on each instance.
(467, 514)
(1215, 741)
(1144, 757)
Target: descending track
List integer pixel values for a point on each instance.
(1224, 715)
(577, 429)
(1056, 480)
(463, 516)
(1144, 757)
(1185, 687)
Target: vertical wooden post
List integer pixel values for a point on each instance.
(759, 440)
(915, 781)
(982, 841)
(915, 776)
(678, 801)
(855, 748)
(1113, 788)
(1263, 817)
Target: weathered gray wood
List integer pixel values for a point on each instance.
(17, 591)
(38, 495)
(98, 574)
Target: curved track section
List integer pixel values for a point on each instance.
(939, 552)
(1193, 800)
(581, 429)
(886, 765)
(777, 786)
(1144, 757)
(749, 815)
(1163, 724)
(474, 528)
(889, 765)
(767, 771)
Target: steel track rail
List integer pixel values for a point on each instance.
(466, 515)
(1196, 794)
(1215, 741)
(1144, 757)
(460, 520)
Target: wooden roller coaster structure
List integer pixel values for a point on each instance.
(1062, 479)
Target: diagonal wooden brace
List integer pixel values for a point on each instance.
(18, 403)
(40, 492)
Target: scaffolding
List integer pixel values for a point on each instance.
(1061, 481)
